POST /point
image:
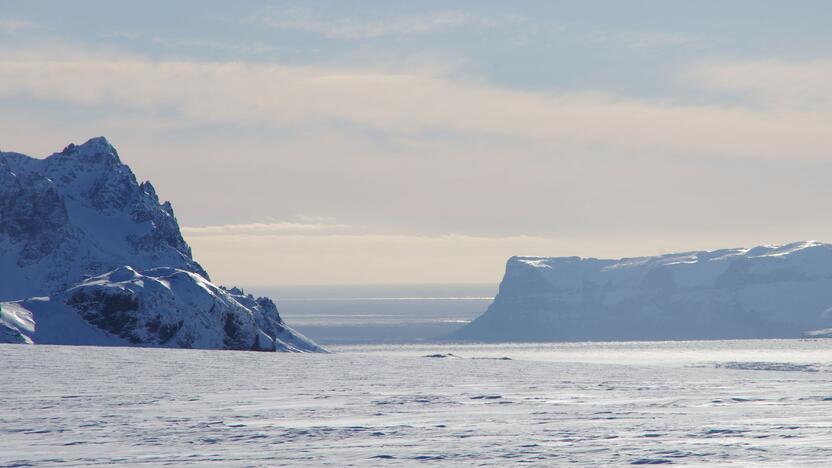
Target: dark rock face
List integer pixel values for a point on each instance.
(164, 332)
(32, 216)
(113, 312)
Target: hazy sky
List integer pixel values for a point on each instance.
(401, 142)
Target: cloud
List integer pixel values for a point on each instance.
(803, 86)
(358, 258)
(245, 48)
(281, 96)
(329, 253)
(369, 257)
(366, 27)
(15, 26)
(513, 27)
(258, 229)
(637, 39)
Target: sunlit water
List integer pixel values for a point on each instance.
(741, 403)
(379, 314)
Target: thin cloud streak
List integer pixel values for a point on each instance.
(381, 258)
(292, 231)
(360, 258)
(257, 229)
(357, 238)
(15, 26)
(368, 27)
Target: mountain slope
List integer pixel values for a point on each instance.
(160, 307)
(763, 292)
(77, 213)
(90, 256)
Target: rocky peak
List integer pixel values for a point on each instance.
(81, 212)
(96, 149)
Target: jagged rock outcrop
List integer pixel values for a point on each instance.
(765, 292)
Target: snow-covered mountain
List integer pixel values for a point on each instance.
(164, 307)
(90, 256)
(763, 292)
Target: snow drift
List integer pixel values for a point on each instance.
(90, 256)
(779, 291)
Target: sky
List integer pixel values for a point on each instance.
(385, 142)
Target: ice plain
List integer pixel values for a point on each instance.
(735, 403)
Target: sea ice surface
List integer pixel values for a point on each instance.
(740, 403)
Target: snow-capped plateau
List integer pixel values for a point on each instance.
(89, 256)
(773, 291)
